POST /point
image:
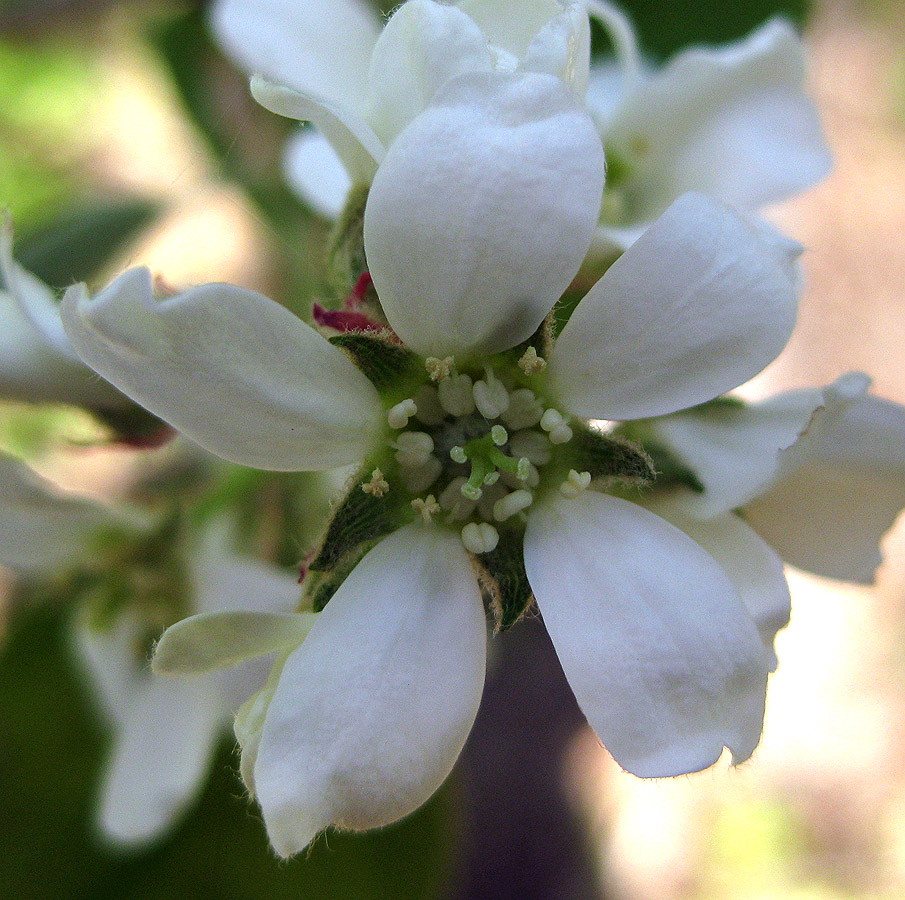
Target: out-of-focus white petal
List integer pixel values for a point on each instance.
(160, 756)
(563, 48)
(699, 304)
(734, 450)
(372, 710)
(753, 567)
(839, 489)
(662, 656)
(423, 46)
(351, 137)
(216, 640)
(511, 25)
(234, 371)
(470, 248)
(733, 122)
(316, 173)
(319, 47)
(41, 527)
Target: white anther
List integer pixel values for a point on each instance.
(550, 419)
(531, 363)
(430, 412)
(490, 395)
(377, 486)
(531, 477)
(456, 395)
(533, 445)
(454, 503)
(470, 492)
(575, 483)
(438, 369)
(511, 504)
(420, 478)
(398, 416)
(457, 454)
(491, 495)
(413, 448)
(428, 507)
(480, 537)
(561, 434)
(524, 410)
(499, 435)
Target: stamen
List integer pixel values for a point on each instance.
(490, 395)
(455, 393)
(575, 483)
(398, 416)
(499, 435)
(377, 486)
(428, 507)
(533, 445)
(550, 419)
(562, 434)
(531, 363)
(438, 369)
(420, 478)
(454, 503)
(413, 448)
(430, 412)
(480, 537)
(524, 410)
(511, 504)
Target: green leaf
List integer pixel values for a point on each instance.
(51, 756)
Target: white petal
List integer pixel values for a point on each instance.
(734, 451)
(699, 304)
(511, 24)
(423, 46)
(839, 489)
(41, 527)
(234, 371)
(662, 656)
(563, 48)
(470, 248)
(319, 47)
(753, 567)
(213, 640)
(734, 123)
(351, 137)
(372, 710)
(316, 173)
(160, 757)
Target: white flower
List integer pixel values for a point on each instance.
(37, 362)
(477, 220)
(820, 474)
(164, 731)
(734, 123)
(329, 62)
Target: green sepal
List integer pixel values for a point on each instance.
(319, 587)
(504, 582)
(390, 367)
(359, 519)
(346, 251)
(670, 471)
(607, 457)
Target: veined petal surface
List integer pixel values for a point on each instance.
(470, 248)
(318, 47)
(699, 304)
(734, 123)
(234, 371)
(423, 46)
(662, 656)
(839, 489)
(372, 710)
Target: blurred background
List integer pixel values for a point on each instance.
(126, 138)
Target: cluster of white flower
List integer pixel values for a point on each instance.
(498, 163)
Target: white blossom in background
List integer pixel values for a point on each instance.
(733, 122)
(360, 81)
(818, 473)
(164, 731)
(478, 219)
(37, 362)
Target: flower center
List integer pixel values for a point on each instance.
(481, 440)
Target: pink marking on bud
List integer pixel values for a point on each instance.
(344, 321)
(359, 292)
(150, 440)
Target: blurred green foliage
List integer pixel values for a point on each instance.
(51, 753)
